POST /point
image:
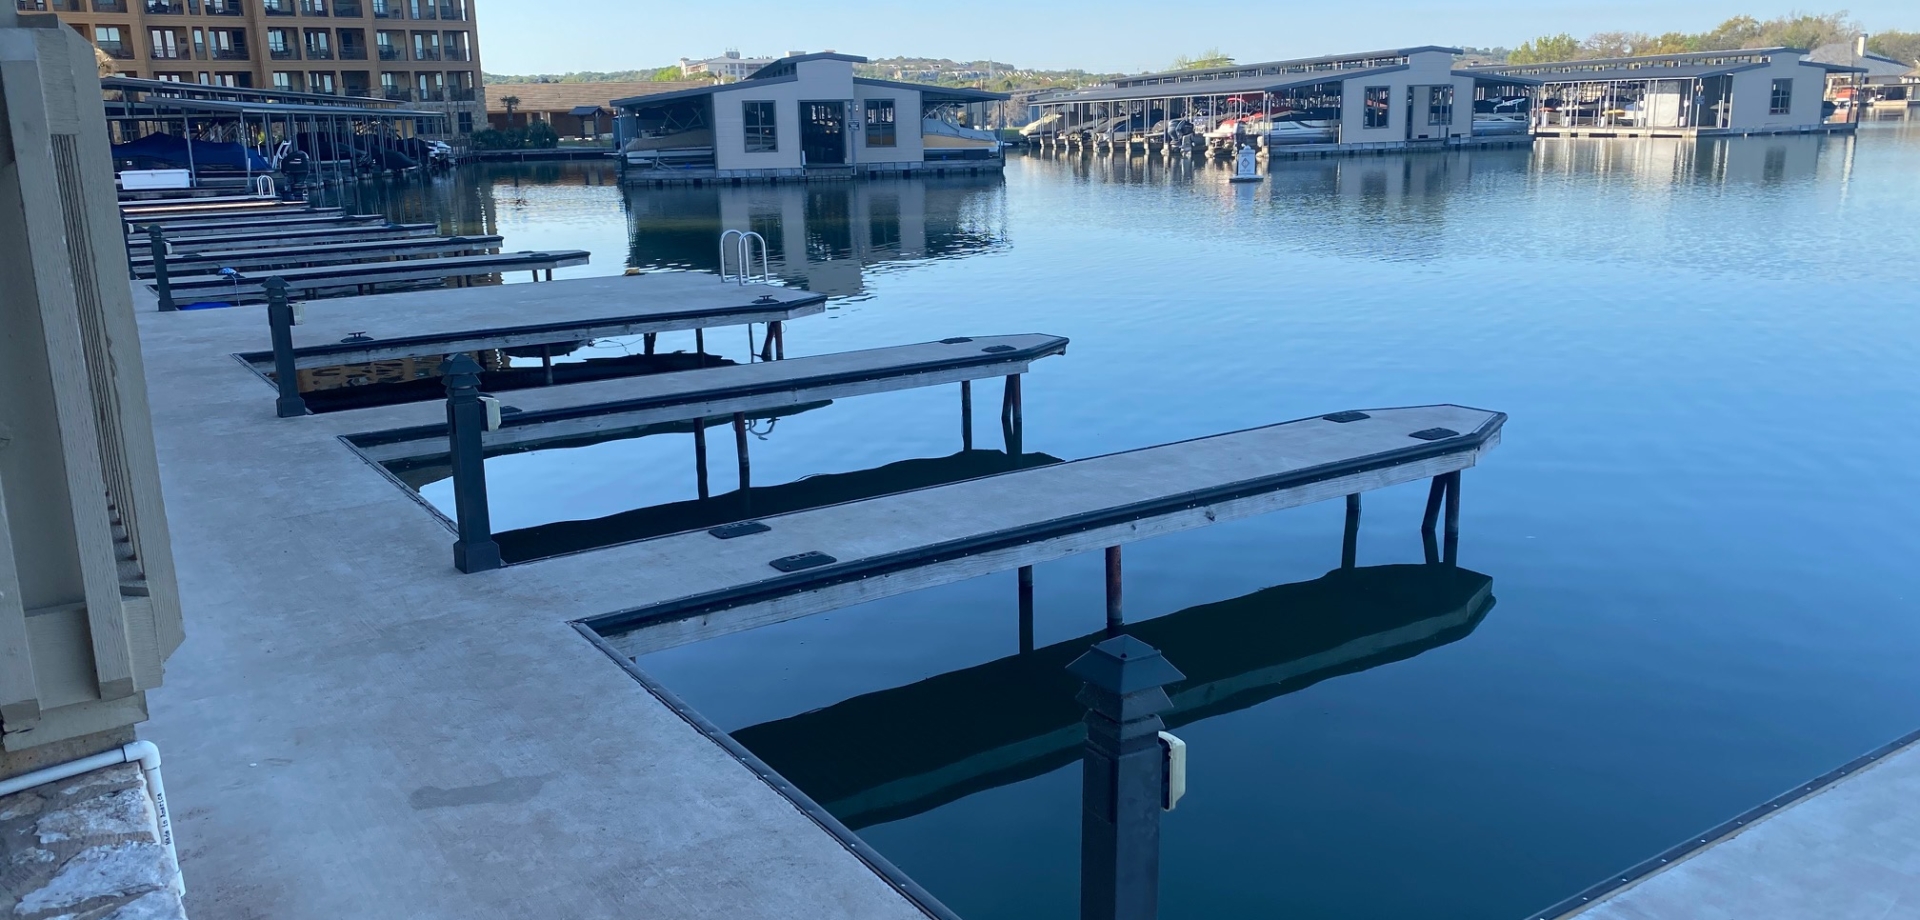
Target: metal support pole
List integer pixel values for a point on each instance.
(966, 415)
(766, 346)
(1115, 620)
(1436, 493)
(1011, 424)
(1452, 542)
(700, 457)
(1123, 782)
(546, 362)
(157, 245)
(1350, 539)
(280, 324)
(1026, 609)
(740, 447)
(650, 338)
(700, 345)
(473, 547)
(779, 330)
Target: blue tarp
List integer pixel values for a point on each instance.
(172, 149)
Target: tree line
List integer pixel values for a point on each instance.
(1797, 30)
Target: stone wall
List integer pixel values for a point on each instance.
(86, 848)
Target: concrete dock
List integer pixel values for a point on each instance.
(1844, 846)
(417, 323)
(430, 745)
(312, 279)
(184, 261)
(436, 745)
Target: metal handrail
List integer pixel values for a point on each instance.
(744, 248)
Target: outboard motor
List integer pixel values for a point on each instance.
(297, 165)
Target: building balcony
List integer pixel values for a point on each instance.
(381, 12)
(229, 54)
(426, 54)
(319, 54)
(425, 12)
(119, 51)
(312, 10)
(460, 94)
(109, 6)
(169, 54)
(42, 6)
(392, 54)
(455, 54)
(283, 54)
(350, 10)
(166, 7)
(396, 94)
(279, 9)
(353, 54)
(432, 95)
(215, 8)
(453, 13)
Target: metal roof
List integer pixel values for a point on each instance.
(653, 99)
(1499, 78)
(1218, 73)
(1619, 74)
(932, 91)
(1233, 87)
(786, 64)
(179, 106)
(208, 92)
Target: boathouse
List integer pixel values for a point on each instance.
(1704, 93)
(804, 116)
(1375, 100)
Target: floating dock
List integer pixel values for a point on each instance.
(264, 225)
(455, 747)
(186, 262)
(901, 543)
(431, 323)
(312, 279)
(249, 239)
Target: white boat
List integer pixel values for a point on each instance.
(1045, 124)
(1497, 125)
(1290, 131)
(696, 143)
(944, 139)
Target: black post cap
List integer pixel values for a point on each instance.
(1124, 665)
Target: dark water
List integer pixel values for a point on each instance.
(1699, 527)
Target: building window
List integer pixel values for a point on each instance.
(880, 130)
(465, 120)
(758, 119)
(282, 80)
(1782, 98)
(1440, 105)
(1379, 106)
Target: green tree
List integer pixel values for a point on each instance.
(668, 74)
(541, 136)
(1561, 47)
(1901, 46)
(510, 102)
(1212, 57)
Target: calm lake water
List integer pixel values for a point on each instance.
(1699, 527)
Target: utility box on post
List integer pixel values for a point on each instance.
(89, 610)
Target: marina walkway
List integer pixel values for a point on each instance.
(249, 286)
(250, 239)
(185, 260)
(430, 745)
(1846, 850)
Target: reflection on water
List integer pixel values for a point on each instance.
(1700, 518)
(892, 754)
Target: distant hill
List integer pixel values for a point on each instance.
(993, 75)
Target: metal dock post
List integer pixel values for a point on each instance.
(157, 245)
(1123, 784)
(473, 546)
(280, 323)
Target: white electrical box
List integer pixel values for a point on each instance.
(493, 411)
(1173, 752)
(299, 312)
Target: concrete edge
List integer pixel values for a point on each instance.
(1700, 843)
(908, 888)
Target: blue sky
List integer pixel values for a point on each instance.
(521, 36)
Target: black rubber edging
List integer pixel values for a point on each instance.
(259, 357)
(859, 569)
(880, 865)
(1725, 829)
(340, 275)
(588, 410)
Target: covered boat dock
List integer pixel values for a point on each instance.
(1370, 101)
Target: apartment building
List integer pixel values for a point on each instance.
(423, 53)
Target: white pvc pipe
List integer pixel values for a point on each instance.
(142, 752)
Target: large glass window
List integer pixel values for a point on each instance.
(758, 120)
(1379, 101)
(1439, 105)
(880, 123)
(1782, 97)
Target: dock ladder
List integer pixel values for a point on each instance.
(743, 246)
